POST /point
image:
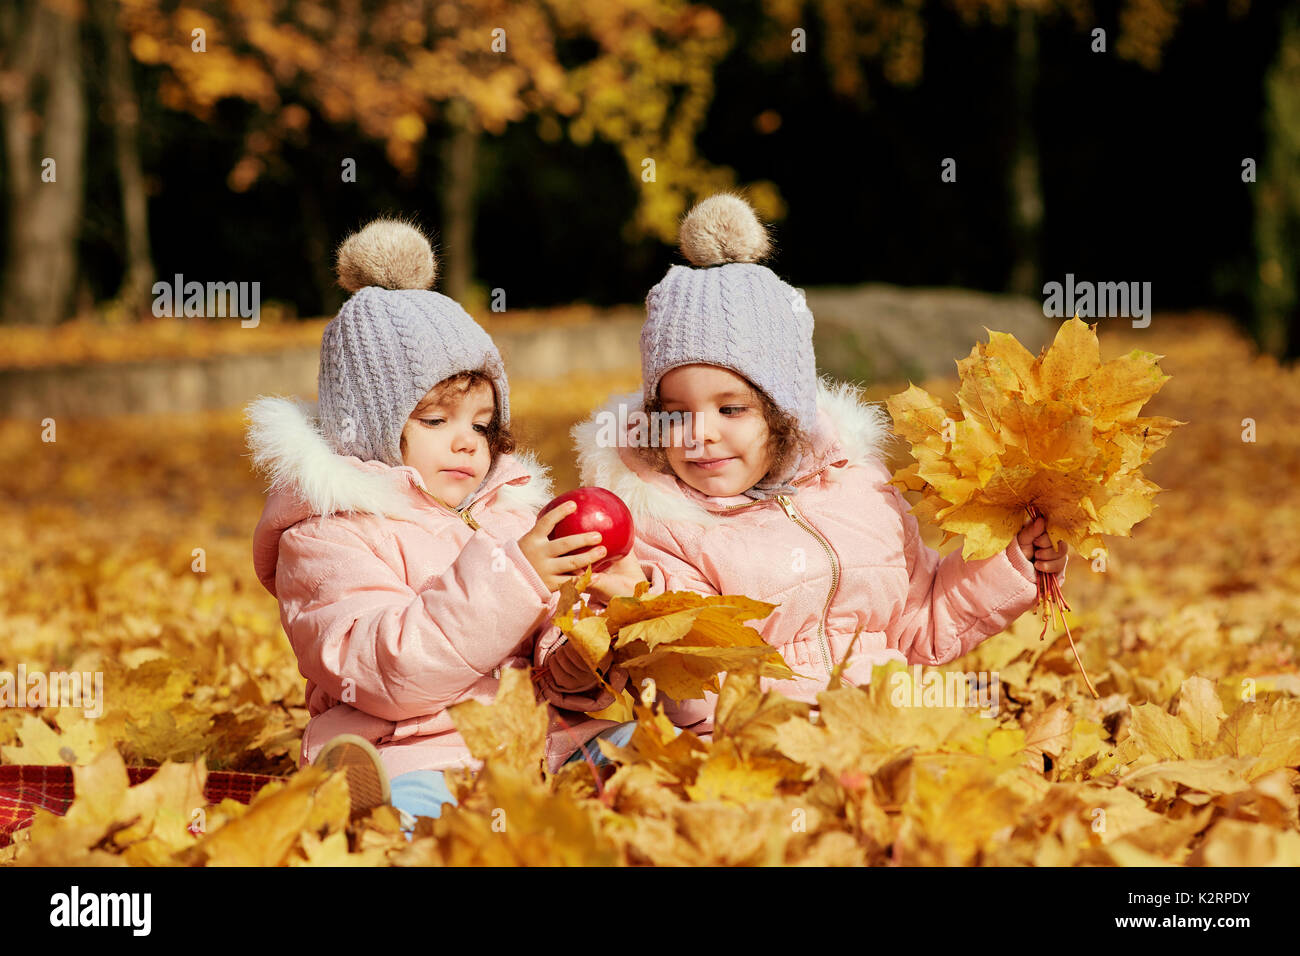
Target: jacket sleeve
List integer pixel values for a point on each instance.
(366, 636)
(954, 605)
(666, 565)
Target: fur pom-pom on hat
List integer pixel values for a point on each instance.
(389, 253)
(721, 229)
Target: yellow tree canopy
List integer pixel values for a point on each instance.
(394, 66)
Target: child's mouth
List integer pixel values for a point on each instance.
(457, 472)
(711, 464)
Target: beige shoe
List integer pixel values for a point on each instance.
(367, 778)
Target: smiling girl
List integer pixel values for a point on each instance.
(778, 489)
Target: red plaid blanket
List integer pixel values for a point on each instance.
(23, 789)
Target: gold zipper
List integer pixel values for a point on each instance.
(799, 519)
(463, 515)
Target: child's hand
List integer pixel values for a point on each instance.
(1037, 547)
(618, 580)
(550, 558)
(580, 688)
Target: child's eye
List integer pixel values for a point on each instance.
(738, 409)
(431, 421)
(483, 429)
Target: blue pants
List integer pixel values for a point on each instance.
(421, 793)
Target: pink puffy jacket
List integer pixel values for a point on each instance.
(842, 552)
(396, 606)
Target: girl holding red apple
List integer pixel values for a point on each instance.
(773, 484)
(401, 534)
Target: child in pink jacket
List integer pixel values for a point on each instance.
(772, 484)
(400, 536)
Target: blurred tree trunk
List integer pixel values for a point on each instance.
(1026, 183)
(1277, 200)
(43, 115)
(135, 292)
(319, 254)
(456, 258)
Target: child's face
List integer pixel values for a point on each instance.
(446, 442)
(728, 429)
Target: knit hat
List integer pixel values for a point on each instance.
(732, 312)
(392, 341)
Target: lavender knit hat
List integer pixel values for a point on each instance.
(732, 312)
(392, 341)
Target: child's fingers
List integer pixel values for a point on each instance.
(547, 522)
(1050, 559)
(576, 562)
(572, 542)
(1046, 552)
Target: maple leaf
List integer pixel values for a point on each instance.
(1263, 734)
(748, 716)
(510, 818)
(861, 728)
(956, 810)
(166, 738)
(1161, 843)
(681, 640)
(1058, 433)
(1238, 843)
(312, 801)
(512, 730)
(727, 774)
(78, 740)
(1048, 733)
(112, 823)
(656, 741)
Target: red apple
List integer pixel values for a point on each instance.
(598, 510)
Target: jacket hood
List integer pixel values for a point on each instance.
(308, 478)
(850, 431)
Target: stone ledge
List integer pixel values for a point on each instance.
(865, 334)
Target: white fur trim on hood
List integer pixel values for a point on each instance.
(288, 446)
(863, 430)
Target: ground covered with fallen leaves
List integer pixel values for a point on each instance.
(125, 548)
(112, 337)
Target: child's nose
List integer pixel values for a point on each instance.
(705, 428)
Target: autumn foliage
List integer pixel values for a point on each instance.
(1190, 756)
(677, 642)
(1060, 432)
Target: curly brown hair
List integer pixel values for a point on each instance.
(500, 440)
(785, 439)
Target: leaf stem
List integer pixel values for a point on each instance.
(1052, 604)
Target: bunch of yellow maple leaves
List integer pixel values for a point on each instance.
(1191, 626)
(1059, 432)
(1056, 436)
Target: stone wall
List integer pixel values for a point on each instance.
(865, 334)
